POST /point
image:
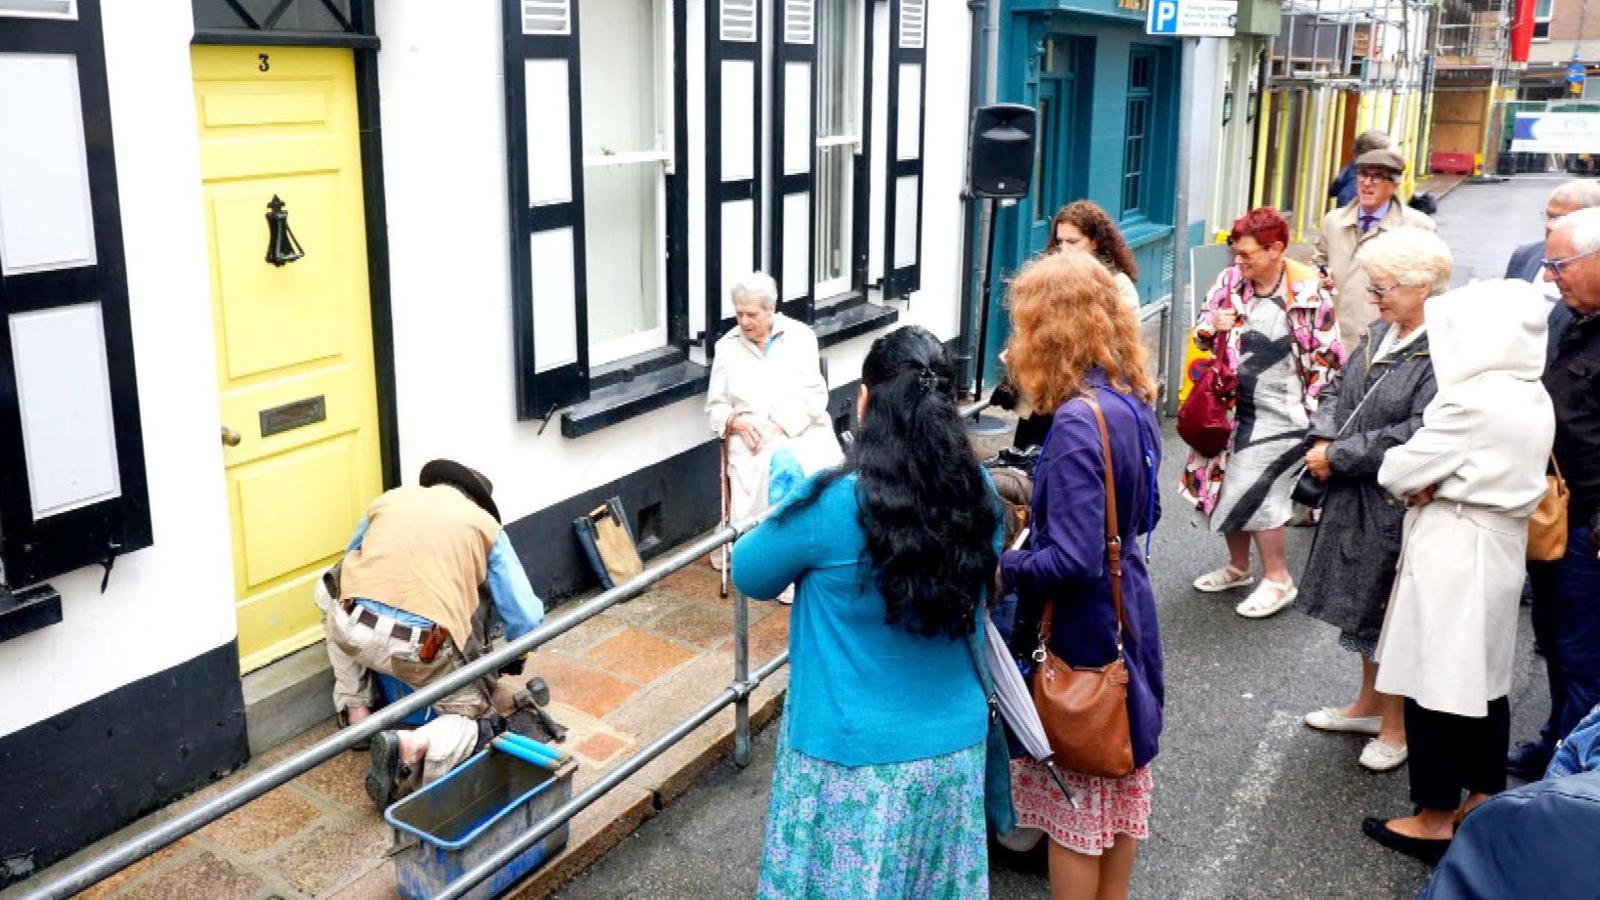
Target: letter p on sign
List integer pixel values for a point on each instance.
(1164, 17)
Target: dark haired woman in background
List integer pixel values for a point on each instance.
(1071, 338)
(879, 781)
(1084, 227)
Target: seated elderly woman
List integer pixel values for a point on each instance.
(768, 393)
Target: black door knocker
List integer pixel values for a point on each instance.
(282, 248)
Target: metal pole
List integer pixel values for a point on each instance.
(1179, 308)
(969, 218)
(741, 678)
(145, 844)
(621, 773)
(983, 306)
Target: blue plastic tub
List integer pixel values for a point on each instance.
(465, 817)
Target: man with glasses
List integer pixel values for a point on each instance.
(1566, 593)
(1345, 230)
(1580, 193)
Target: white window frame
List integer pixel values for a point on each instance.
(8, 11)
(1543, 20)
(833, 287)
(603, 351)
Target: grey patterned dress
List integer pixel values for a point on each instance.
(1348, 578)
(1269, 423)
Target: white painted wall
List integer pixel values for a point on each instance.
(173, 601)
(444, 169)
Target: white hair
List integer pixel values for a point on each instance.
(1412, 256)
(757, 286)
(1579, 193)
(1584, 226)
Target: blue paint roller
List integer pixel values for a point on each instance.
(529, 743)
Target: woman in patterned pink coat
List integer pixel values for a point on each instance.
(1276, 325)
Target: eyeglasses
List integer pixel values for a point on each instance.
(1374, 175)
(1379, 292)
(1557, 265)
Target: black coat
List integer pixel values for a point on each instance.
(1348, 578)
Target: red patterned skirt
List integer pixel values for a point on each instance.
(1106, 807)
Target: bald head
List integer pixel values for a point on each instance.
(1579, 193)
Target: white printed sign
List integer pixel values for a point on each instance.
(1193, 18)
(1556, 133)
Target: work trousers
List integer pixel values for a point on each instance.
(1566, 623)
(355, 650)
(1450, 753)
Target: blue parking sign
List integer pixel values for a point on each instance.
(1163, 17)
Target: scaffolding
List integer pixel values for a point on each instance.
(1475, 75)
(1338, 68)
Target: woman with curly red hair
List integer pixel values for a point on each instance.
(1074, 342)
(1083, 225)
(1270, 318)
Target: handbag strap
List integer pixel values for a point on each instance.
(1560, 479)
(1113, 539)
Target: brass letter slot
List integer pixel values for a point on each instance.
(293, 415)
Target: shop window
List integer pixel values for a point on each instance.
(1136, 135)
(70, 440)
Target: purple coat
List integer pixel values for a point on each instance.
(1067, 558)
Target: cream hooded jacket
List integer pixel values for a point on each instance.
(1450, 627)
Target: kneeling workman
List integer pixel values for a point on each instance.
(409, 605)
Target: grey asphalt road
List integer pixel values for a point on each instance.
(1248, 801)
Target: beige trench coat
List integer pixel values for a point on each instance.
(1337, 242)
(1450, 629)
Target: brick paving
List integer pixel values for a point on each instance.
(616, 681)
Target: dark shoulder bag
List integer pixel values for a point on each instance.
(1085, 710)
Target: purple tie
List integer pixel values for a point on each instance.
(1366, 223)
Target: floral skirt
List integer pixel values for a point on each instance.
(1106, 807)
(910, 829)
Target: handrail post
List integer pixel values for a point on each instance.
(741, 678)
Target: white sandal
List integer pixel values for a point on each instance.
(1224, 579)
(1269, 598)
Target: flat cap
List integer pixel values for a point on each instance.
(1381, 158)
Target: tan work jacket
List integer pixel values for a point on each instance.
(1337, 243)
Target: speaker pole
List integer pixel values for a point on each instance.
(981, 424)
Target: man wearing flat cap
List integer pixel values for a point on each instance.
(1344, 231)
(408, 603)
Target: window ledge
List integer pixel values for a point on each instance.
(29, 609)
(643, 393)
(1139, 233)
(853, 321)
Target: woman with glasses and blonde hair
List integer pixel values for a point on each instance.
(1075, 346)
(1269, 318)
(1376, 404)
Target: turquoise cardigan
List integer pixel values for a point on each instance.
(861, 692)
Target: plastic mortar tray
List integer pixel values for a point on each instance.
(465, 817)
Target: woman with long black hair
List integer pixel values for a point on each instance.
(879, 782)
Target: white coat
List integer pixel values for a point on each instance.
(782, 383)
(1451, 624)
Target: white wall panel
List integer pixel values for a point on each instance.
(555, 320)
(796, 245)
(64, 393)
(905, 221)
(45, 216)
(549, 129)
(796, 118)
(738, 119)
(738, 237)
(908, 133)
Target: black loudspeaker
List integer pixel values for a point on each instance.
(1000, 155)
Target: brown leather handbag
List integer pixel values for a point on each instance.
(1084, 709)
(1547, 527)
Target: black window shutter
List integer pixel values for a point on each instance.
(733, 154)
(794, 86)
(908, 78)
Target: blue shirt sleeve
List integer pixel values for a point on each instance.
(776, 552)
(361, 532)
(514, 600)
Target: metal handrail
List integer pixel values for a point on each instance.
(137, 848)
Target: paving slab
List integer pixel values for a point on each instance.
(617, 681)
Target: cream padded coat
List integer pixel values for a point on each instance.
(1451, 624)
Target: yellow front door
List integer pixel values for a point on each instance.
(294, 341)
